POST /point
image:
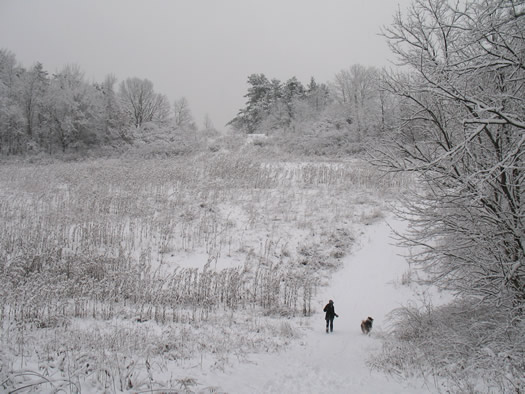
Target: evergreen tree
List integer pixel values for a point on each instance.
(317, 95)
(260, 92)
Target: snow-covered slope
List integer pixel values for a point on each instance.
(335, 363)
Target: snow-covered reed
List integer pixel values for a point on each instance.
(208, 242)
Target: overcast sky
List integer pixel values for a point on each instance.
(203, 50)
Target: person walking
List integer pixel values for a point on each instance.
(330, 315)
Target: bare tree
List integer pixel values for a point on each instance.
(182, 115)
(463, 136)
(357, 90)
(140, 102)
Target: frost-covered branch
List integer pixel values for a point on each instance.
(463, 103)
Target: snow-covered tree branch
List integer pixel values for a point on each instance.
(463, 134)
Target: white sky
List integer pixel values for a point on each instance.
(201, 49)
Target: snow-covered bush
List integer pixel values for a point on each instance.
(468, 346)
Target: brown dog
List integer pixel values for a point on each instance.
(366, 325)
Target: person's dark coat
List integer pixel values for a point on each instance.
(330, 311)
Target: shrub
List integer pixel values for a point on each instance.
(463, 344)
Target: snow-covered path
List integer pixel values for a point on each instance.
(335, 363)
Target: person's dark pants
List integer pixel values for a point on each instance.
(330, 322)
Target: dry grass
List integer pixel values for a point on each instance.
(107, 241)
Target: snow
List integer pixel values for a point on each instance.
(234, 350)
(336, 362)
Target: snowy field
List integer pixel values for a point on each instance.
(196, 276)
(368, 284)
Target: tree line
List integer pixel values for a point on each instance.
(62, 112)
(354, 102)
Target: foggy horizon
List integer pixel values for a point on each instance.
(204, 50)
